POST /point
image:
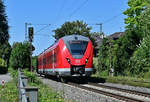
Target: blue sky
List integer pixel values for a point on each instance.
(56, 12)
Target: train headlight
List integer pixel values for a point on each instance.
(68, 60)
(86, 60)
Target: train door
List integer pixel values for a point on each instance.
(44, 63)
(53, 60)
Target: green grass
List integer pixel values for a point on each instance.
(9, 92)
(126, 80)
(45, 93)
(48, 95)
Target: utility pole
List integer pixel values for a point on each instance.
(26, 30)
(110, 59)
(101, 32)
(31, 32)
(120, 29)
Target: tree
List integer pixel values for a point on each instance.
(127, 44)
(140, 61)
(5, 50)
(4, 36)
(75, 27)
(127, 57)
(103, 58)
(20, 55)
(136, 7)
(34, 62)
(3, 67)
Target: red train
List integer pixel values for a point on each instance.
(70, 56)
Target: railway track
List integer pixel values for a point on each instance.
(120, 94)
(95, 88)
(123, 90)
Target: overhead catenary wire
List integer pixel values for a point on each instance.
(79, 7)
(110, 19)
(73, 12)
(42, 28)
(72, 4)
(44, 35)
(60, 11)
(107, 21)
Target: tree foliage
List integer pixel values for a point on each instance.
(5, 47)
(2, 62)
(140, 61)
(3, 66)
(20, 55)
(136, 7)
(75, 27)
(5, 50)
(4, 36)
(103, 56)
(34, 62)
(124, 51)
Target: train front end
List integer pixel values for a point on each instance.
(77, 52)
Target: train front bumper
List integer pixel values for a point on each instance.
(67, 72)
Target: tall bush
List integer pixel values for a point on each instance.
(3, 67)
(20, 55)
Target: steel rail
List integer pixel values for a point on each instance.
(119, 97)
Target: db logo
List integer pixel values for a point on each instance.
(77, 61)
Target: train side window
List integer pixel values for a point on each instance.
(48, 60)
(41, 62)
(44, 61)
(55, 57)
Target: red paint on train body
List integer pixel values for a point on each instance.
(69, 56)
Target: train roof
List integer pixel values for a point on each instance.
(67, 38)
(48, 48)
(75, 37)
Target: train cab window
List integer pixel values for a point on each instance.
(77, 48)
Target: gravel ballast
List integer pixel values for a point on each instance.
(140, 89)
(76, 94)
(133, 96)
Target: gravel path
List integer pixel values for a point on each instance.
(5, 77)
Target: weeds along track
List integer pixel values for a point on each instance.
(97, 89)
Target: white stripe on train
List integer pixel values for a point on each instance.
(62, 69)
